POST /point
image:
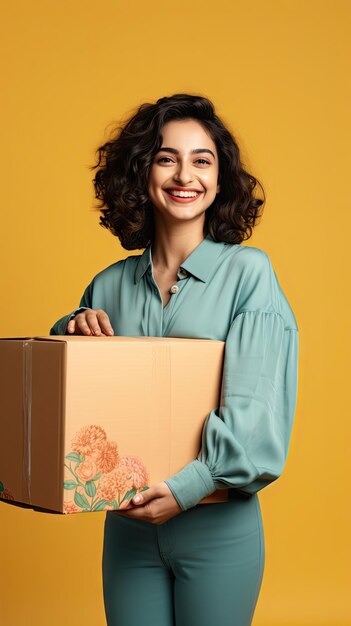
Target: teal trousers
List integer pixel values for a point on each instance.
(203, 567)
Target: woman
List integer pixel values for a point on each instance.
(172, 182)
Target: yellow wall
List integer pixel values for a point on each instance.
(278, 73)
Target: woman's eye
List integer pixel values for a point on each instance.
(168, 159)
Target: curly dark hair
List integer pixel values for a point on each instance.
(124, 164)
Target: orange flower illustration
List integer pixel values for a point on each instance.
(70, 507)
(116, 482)
(5, 493)
(86, 470)
(138, 471)
(88, 439)
(97, 477)
(106, 457)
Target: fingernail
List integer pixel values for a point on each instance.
(110, 332)
(137, 499)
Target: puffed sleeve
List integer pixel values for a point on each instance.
(60, 327)
(245, 440)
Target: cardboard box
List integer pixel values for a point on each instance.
(87, 422)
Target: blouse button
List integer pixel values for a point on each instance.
(174, 289)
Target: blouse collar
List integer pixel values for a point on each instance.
(199, 263)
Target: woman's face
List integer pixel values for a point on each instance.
(187, 160)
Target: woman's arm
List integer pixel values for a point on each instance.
(245, 440)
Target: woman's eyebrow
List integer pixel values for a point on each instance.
(196, 151)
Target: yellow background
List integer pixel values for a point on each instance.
(278, 74)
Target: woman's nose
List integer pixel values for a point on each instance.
(183, 174)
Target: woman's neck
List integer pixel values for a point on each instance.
(171, 247)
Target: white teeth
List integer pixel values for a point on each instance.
(183, 194)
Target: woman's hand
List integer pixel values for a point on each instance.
(157, 505)
(90, 322)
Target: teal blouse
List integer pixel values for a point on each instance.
(228, 292)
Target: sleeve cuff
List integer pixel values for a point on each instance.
(193, 483)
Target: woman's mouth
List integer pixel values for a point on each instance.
(182, 196)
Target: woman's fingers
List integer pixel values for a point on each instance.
(79, 326)
(71, 326)
(90, 322)
(104, 322)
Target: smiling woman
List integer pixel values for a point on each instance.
(196, 177)
(171, 181)
(177, 143)
(183, 178)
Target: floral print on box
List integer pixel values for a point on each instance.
(100, 478)
(5, 494)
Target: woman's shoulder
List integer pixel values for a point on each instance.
(114, 270)
(249, 259)
(260, 288)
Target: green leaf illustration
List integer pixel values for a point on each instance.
(144, 488)
(90, 488)
(129, 494)
(99, 506)
(1, 487)
(80, 500)
(70, 484)
(97, 476)
(74, 456)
